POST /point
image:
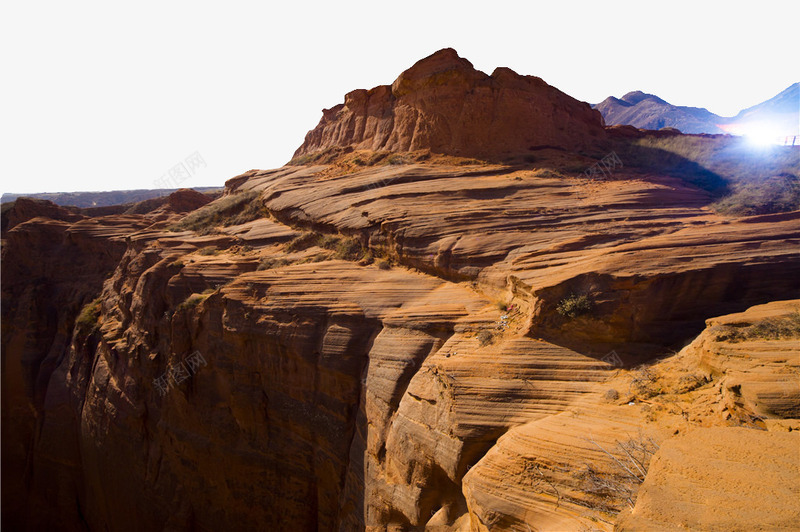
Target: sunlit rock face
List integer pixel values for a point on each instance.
(443, 104)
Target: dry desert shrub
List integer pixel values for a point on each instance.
(343, 247)
(230, 210)
(208, 250)
(303, 241)
(631, 460)
(644, 383)
(776, 328)
(267, 263)
(485, 338)
(574, 305)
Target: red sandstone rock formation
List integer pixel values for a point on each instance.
(385, 350)
(343, 396)
(25, 209)
(443, 104)
(186, 199)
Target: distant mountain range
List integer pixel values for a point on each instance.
(780, 114)
(100, 199)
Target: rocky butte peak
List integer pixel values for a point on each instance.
(443, 104)
(635, 97)
(186, 199)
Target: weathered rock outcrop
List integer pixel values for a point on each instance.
(653, 258)
(51, 269)
(25, 209)
(736, 378)
(444, 105)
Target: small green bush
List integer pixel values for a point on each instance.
(195, 299)
(574, 305)
(208, 250)
(384, 265)
(87, 320)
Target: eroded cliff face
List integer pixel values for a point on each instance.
(443, 344)
(52, 267)
(372, 392)
(444, 105)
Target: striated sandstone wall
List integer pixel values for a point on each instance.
(338, 395)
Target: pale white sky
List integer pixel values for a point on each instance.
(106, 95)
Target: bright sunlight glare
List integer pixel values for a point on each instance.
(761, 133)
